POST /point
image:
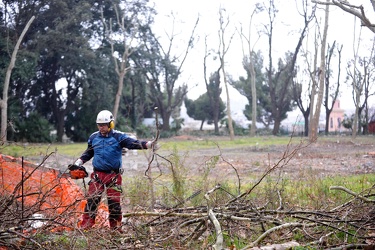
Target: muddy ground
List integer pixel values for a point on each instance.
(341, 156)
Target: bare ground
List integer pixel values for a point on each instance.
(323, 158)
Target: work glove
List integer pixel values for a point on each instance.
(77, 172)
(153, 145)
(124, 151)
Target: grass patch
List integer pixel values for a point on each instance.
(75, 149)
(35, 149)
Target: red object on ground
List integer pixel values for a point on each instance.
(44, 192)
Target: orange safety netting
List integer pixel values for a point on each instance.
(45, 192)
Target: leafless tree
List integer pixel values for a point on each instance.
(121, 60)
(353, 9)
(163, 67)
(280, 82)
(360, 73)
(213, 88)
(223, 49)
(318, 86)
(4, 100)
(331, 97)
(250, 64)
(298, 97)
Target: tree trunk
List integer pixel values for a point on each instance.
(316, 115)
(355, 122)
(224, 50)
(201, 128)
(119, 93)
(276, 126)
(4, 101)
(230, 122)
(254, 99)
(165, 116)
(306, 117)
(326, 129)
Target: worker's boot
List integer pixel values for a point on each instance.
(115, 225)
(87, 222)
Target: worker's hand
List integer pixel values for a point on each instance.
(78, 162)
(77, 172)
(124, 151)
(153, 145)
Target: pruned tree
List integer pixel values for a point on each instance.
(280, 81)
(4, 100)
(162, 68)
(243, 86)
(248, 63)
(331, 91)
(123, 33)
(360, 72)
(302, 97)
(222, 51)
(318, 77)
(213, 89)
(353, 9)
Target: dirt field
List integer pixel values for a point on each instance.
(323, 158)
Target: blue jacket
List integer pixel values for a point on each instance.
(107, 150)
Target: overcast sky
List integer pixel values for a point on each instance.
(287, 25)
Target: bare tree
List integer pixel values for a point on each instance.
(223, 49)
(315, 110)
(213, 89)
(162, 68)
(298, 98)
(280, 82)
(359, 72)
(331, 96)
(250, 66)
(120, 59)
(4, 101)
(355, 10)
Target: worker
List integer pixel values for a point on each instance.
(105, 145)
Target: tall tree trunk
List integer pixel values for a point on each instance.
(306, 118)
(222, 53)
(252, 78)
(4, 101)
(254, 99)
(120, 64)
(229, 112)
(201, 127)
(120, 87)
(276, 126)
(315, 118)
(356, 120)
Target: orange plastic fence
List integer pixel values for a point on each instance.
(56, 197)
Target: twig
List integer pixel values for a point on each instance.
(148, 170)
(351, 192)
(219, 234)
(287, 156)
(271, 230)
(145, 213)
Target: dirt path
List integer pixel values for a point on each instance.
(322, 159)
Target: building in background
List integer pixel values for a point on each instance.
(335, 119)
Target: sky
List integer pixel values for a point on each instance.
(287, 25)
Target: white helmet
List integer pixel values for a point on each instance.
(104, 116)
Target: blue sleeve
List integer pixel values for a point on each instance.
(89, 152)
(130, 143)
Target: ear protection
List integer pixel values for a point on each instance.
(111, 125)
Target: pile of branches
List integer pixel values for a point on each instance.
(244, 221)
(239, 223)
